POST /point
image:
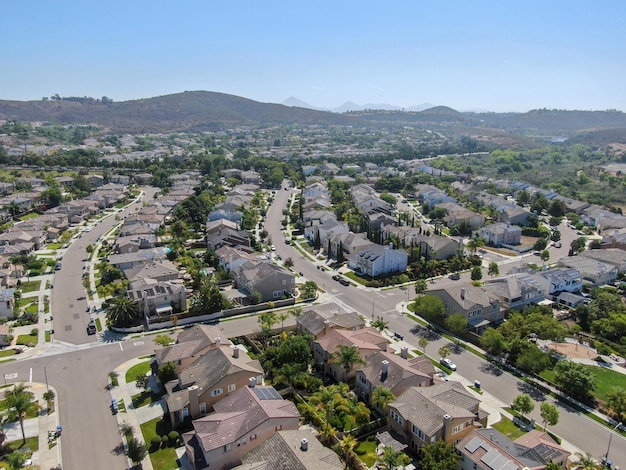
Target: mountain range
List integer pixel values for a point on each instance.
(350, 106)
(204, 110)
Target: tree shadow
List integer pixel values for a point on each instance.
(529, 389)
(118, 449)
(490, 368)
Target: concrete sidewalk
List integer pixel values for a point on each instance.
(48, 456)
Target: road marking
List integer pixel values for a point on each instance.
(30, 376)
(10, 376)
(378, 293)
(121, 347)
(138, 343)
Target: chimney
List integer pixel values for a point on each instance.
(218, 340)
(385, 370)
(252, 382)
(235, 352)
(326, 326)
(404, 352)
(463, 293)
(447, 421)
(304, 444)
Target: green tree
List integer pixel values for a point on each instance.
(121, 311)
(19, 403)
(523, 404)
(48, 396)
(532, 360)
(163, 340)
(616, 400)
(421, 286)
(347, 446)
(143, 382)
(443, 352)
(113, 378)
(477, 273)
(457, 324)
(423, 343)
(493, 342)
(167, 372)
(493, 269)
(347, 357)
(136, 450)
(309, 289)
(430, 307)
(475, 244)
(381, 397)
(553, 466)
(379, 324)
(16, 460)
(288, 263)
(585, 461)
(575, 379)
(545, 255)
(440, 455)
(549, 414)
(392, 459)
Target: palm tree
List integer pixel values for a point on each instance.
(347, 356)
(381, 397)
(295, 312)
(474, 244)
(19, 403)
(392, 459)
(122, 311)
(379, 324)
(283, 316)
(585, 462)
(16, 460)
(423, 342)
(347, 446)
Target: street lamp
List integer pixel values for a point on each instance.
(617, 426)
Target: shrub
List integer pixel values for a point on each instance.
(155, 442)
(173, 436)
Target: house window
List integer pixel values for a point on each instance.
(284, 282)
(279, 427)
(185, 412)
(456, 429)
(217, 392)
(231, 388)
(418, 432)
(202, 408)
(252, 437)
(396, 417)
(227, 447)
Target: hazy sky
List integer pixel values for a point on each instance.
(504, 55)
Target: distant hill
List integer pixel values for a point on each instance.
(350, 106)
(188, 111)
(204, 110)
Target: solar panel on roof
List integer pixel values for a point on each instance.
(474, 444)
(267, 393)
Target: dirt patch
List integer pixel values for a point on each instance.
(574, 350)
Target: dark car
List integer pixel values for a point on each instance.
(400, 336)
(454, 276)
(336, 277)
(344, 282)
(91, 328)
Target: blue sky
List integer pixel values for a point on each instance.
(492, 55)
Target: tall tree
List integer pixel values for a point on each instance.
(523, 404)
(423, 343)
(493, 342)
(20, 402)
(421, 286)
(439, 456)
(575, 379)
(549, 414)
(430, 307)
(122, 311)
(457, 324)
(347, 356)
(493, 269)
(392, 459)
(379, 324)
(381, 397)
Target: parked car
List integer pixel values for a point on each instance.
(454, 276)
(444, 361)
(91, 328)
(58, 267)
(336, 277)
(400, 336)
(344, 282)
(558, 245)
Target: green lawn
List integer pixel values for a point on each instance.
(145, 398)
(607, 380)
(163, 458)
(137, 370)
(7, 352)
(32, 443)
(54, 246)
(508, 428)
(366, 451)
(30, 286)
(27, 340)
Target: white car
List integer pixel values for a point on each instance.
(273, 247)
(444, 361)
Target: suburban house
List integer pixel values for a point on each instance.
(224, 232)
(161, 270)
(557, 280)
(232, 258)
(190, 344)
(395, 373)
(208, 378)
(611, 256)
(270, 280)
(293, 450)
(320, 319)
(478, 305)
(445, 411)
(514, 216)
(241, 421)
(7, 302)
(367, 340)
(595, 272)
(486, 449)
(134, 243)
(501, 234)
(132, 260)
(516, 291)
(158, 298)
(456, 215)
(377, 260)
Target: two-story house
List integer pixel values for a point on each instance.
(269, 280)
(377, 260)
(516, 291)
(241, 421)
(424, 415)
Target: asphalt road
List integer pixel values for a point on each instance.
(573, 426)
